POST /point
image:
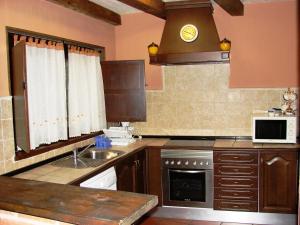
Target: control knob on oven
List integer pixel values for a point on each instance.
(167, 162)
(186, 163)
(207, 163)
(201, 163)
(172, 162)
(194, 163)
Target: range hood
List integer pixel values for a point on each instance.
(204, 49)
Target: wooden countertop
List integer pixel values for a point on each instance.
(248, 144)
(61, 175)
(52, 174)
(73, 204)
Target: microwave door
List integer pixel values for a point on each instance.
(270, 129)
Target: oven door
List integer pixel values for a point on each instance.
(190, 188)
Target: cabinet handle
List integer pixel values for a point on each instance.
(137, 163)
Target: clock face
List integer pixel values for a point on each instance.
(189, 33)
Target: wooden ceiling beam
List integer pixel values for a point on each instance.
(90, 9)
(233, 7)
(153, 7)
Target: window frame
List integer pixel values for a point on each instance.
(10, 32)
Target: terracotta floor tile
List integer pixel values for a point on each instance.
(196, 222)
(224, 223)
(164, 221)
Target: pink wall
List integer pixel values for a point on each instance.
(48, 18)
(132, 38)
(264, 44)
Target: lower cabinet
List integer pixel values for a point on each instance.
(278, 181)
(244, 178)
(131, 173)
(236, 180)
(154, 183)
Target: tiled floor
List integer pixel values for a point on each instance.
(164, 221)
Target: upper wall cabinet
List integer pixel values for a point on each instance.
(124, 89)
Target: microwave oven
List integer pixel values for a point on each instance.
(279, 129)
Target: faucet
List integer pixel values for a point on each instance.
(77, 155)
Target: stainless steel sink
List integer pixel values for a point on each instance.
(101, 154)
(89, 157)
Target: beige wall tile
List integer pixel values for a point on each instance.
(197, 101)
(6, 108)
(7, 129)
(1, 132)
(2, 167)
(1, 151)
(9, 165)
(8, 149)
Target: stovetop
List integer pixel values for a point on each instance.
(190, 143)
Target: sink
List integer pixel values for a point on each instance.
(101, 154)
(91, 158)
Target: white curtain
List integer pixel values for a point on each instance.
(46, 90)
(85, 93)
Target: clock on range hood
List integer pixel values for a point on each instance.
(190, 35)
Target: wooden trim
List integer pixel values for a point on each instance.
(13, 30)
(10, 31)
(153, 7)
(90, 9)
(233, 7)
(190, 58)
(188, 4)
(42, 149)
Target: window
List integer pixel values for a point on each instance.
(57, 91)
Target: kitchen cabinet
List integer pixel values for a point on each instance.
(278, 181)
(124, 89)
(154, 182)
(236, 180)
(131, 173)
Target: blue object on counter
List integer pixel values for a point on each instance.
(103, 142)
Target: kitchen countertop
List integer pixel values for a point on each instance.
(52, 174)
(61, 175)
(248, 144)
(73, 204)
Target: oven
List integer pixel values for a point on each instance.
(187, 177)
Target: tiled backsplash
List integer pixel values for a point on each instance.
(7, 146)
(197, 100)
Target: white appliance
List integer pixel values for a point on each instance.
(120, 135)
(104, 180)
(279, 129)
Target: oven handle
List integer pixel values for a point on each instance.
(189, 171)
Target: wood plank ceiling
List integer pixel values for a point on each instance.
(99, 8)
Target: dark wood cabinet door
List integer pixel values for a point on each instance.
(278, 182)
(140, 177)
(124, 88)
(154, 184)
(131, 173)
(19, 93)
(235, 157)
(125, 171)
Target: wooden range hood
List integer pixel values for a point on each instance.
(204, 49)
